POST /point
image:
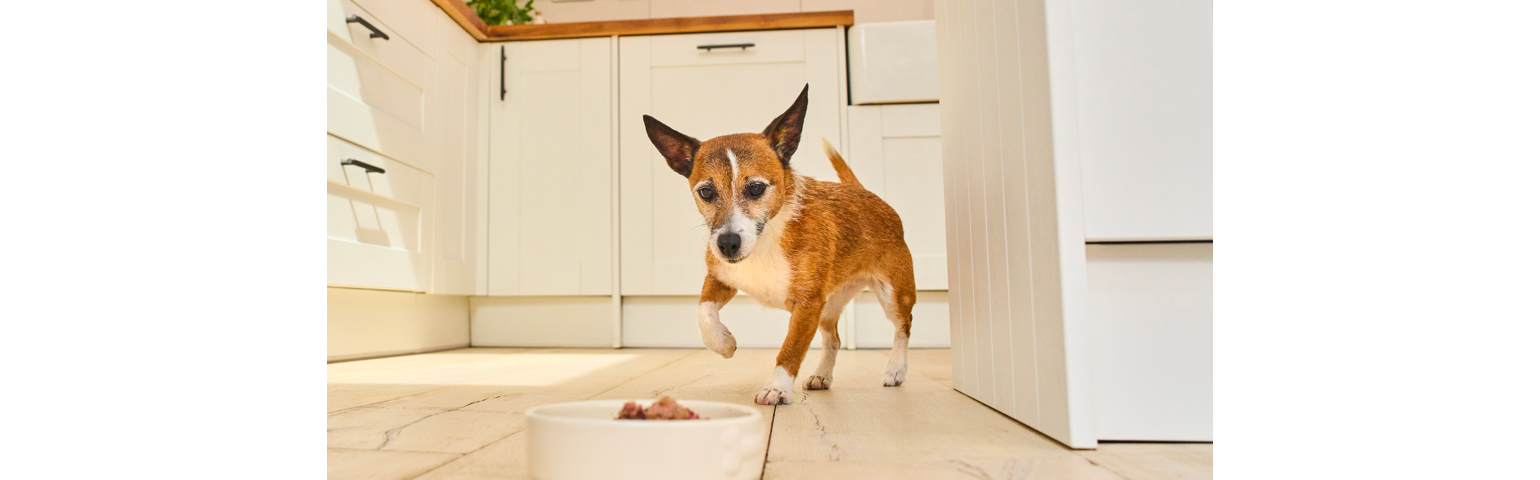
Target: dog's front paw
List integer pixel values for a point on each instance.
(894, 378)
(819, 382)
(720, 341)
(773, 395)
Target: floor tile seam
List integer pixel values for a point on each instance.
(396, 450)
(495, 359)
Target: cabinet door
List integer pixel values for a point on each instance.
(706, 94)
(452, 122)
(375, 220)
(551, 163)
(896, 152)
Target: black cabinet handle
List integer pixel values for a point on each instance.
(708, 48)
(502, 74)
(367, 167)
(376, 31)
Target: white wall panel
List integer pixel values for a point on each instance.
(1016, 251)
(707, 8)
(600, 10)
(592, 10)
(1152, 317)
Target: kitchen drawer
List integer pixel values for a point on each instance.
(893, 62)
(397, 54)
(400, 181)
(407, 21)
(374, 221)
(770, 46)
(371, 104)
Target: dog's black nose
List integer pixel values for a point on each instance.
(728, 244)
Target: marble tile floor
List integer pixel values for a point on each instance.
(459, 414)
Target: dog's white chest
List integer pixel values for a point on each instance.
(764, 275)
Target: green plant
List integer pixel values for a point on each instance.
(500, 12)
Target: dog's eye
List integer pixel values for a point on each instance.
(755, 190)
(707, 193)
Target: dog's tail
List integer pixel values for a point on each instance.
(840, 168)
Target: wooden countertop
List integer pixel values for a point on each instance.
(472, 24)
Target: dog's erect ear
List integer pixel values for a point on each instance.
(785, 132)
(679, 149)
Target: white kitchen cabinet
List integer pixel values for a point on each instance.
(895, 150)
(550, 187)
(405, 102)
(375, 219)
(379, 224)
(453, 124)
(704, 94)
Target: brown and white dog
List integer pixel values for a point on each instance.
(790, 242)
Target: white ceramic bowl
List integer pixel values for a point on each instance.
(583, 441)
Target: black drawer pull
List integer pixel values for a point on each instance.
(376, 31)
(367, 167)
(708, 48)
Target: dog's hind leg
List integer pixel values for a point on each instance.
(828, 324)
(896, 294)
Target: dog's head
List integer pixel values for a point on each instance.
(739, 181)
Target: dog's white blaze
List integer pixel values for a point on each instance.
(733, 160)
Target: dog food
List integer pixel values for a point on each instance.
(663, 409)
